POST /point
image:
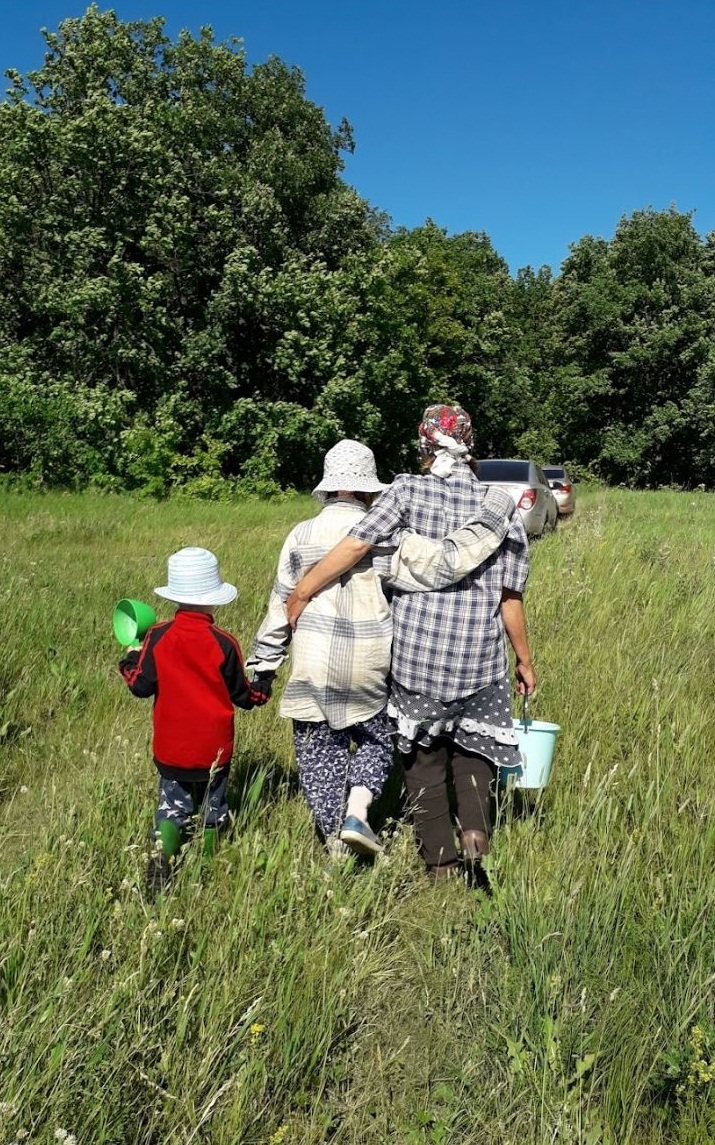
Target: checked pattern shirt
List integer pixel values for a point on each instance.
(447, 644)
(341, 647)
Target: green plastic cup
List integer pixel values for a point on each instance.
(131, 620)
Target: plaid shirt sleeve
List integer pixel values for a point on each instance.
(270, 647)
(516, 556)
(383, 520)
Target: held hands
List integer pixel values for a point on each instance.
(259, 688)
(525, 678)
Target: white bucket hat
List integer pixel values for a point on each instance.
(349, 465)
(194, 579)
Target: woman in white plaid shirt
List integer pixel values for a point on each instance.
(450, 697)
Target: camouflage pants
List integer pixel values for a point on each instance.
(193, 804)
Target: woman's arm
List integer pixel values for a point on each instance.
(512, 610)
(345, 554)
(420, 564)
(270, 646)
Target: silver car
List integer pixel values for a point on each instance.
(561, 487)
(529, 488)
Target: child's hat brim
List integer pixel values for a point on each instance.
(224, 594)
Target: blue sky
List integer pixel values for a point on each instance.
(537, 121)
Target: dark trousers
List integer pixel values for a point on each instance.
(203, 803)
(427, 775)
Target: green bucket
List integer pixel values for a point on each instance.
(131, 620)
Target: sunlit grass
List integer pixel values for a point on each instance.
(270, 999)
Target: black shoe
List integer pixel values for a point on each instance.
(158, 876)
(475, 877)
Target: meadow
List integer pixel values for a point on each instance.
(270, 999)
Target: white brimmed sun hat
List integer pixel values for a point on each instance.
(194, 578)
(349, 466)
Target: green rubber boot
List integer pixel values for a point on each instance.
(210, 842)
(170, 838)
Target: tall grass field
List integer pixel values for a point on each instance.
(271, 999)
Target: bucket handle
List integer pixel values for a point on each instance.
(525, 714)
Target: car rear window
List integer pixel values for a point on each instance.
(503, 470)
(554, 471)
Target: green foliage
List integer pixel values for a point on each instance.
(53, 431)
(636, 317)
(192, 295)
(142, 183)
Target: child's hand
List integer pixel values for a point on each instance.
(260, 688)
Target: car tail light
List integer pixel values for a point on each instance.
(527, 499)
(565, 488)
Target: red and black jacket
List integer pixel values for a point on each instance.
(195, 672)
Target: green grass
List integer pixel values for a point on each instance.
(269, 999)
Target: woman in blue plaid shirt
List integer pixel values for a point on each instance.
(450, 694)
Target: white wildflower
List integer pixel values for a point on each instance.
(106, 955)
(61, 1134)
(153, 930)
(24, 789)
(178, 924)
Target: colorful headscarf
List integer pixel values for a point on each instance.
(445, 434)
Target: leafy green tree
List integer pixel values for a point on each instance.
(192, 295)
(459, 306)
(134, 174)
(636, 319)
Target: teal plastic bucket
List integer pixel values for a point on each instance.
(131, 621)
(537, 740)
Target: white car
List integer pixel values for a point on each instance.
(528, 486)
(561, 487)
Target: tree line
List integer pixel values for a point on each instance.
(192, 296)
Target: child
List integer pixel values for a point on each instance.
(195, 672)
(337, 691)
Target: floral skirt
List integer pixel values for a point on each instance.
(480, 723)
